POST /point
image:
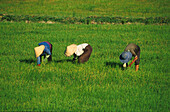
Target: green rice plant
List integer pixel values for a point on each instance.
(101, 84)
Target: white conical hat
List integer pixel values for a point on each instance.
(71, 49)
(39, 50)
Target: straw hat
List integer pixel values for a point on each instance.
(125, 57)
(71, 49)
(39, 50)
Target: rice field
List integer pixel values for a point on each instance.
(101, 84)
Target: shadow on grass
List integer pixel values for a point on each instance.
(27, 61)
(64, 60)
(67, 60)
(115, 65)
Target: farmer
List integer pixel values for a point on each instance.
(82, 52)
(44, 49)
(131, 50)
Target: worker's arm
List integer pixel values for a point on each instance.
(47, 51)
(38, 61)
(136, 57)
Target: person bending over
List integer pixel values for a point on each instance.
(131, 50)
(44, 49)
(81, 52)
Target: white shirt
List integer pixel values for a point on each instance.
(80, 49)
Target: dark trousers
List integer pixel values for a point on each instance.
(86, 55)
(138, 54)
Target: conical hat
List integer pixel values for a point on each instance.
(71, 49)
(125, 57)
(39, 50)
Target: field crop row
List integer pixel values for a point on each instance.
(86, 20)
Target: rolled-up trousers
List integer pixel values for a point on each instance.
(86, 55)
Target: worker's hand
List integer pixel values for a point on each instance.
(136, 57)
(124, 65)
(47, 56)
(45, 59)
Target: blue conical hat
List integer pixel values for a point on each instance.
(125, 57)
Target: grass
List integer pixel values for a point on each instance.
(98, 85)
(101, 84)
(84, 8)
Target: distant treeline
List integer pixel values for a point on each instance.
(85, 20)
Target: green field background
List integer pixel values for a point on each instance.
(101, 84)
(84, 8)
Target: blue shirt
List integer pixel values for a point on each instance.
(46, 51)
